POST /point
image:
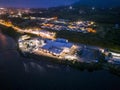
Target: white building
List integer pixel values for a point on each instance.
(58, 47)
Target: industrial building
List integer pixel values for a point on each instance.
(57, 47)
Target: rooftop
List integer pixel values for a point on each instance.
(57, 46)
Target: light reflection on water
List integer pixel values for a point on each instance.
(33, 67)
(18, 72)
(6, 42)
(3, 41)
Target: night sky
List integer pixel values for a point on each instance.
(34, 3)
(52, 3)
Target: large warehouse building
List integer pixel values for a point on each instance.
(57, 47)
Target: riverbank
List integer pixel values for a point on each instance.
(81, 66)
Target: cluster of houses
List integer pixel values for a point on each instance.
(61, 24)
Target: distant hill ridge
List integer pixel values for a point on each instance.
(98, 3)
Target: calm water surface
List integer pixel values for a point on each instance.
(18, 73)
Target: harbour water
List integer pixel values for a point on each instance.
(18, 73)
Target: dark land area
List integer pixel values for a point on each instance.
(107, 24)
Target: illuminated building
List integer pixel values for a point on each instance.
(58, 47)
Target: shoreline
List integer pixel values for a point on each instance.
(78, 65)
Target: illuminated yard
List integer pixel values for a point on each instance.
(59, 48)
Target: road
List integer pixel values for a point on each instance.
(25, 31)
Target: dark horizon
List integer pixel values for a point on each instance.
(55, 3)
(35, 4)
